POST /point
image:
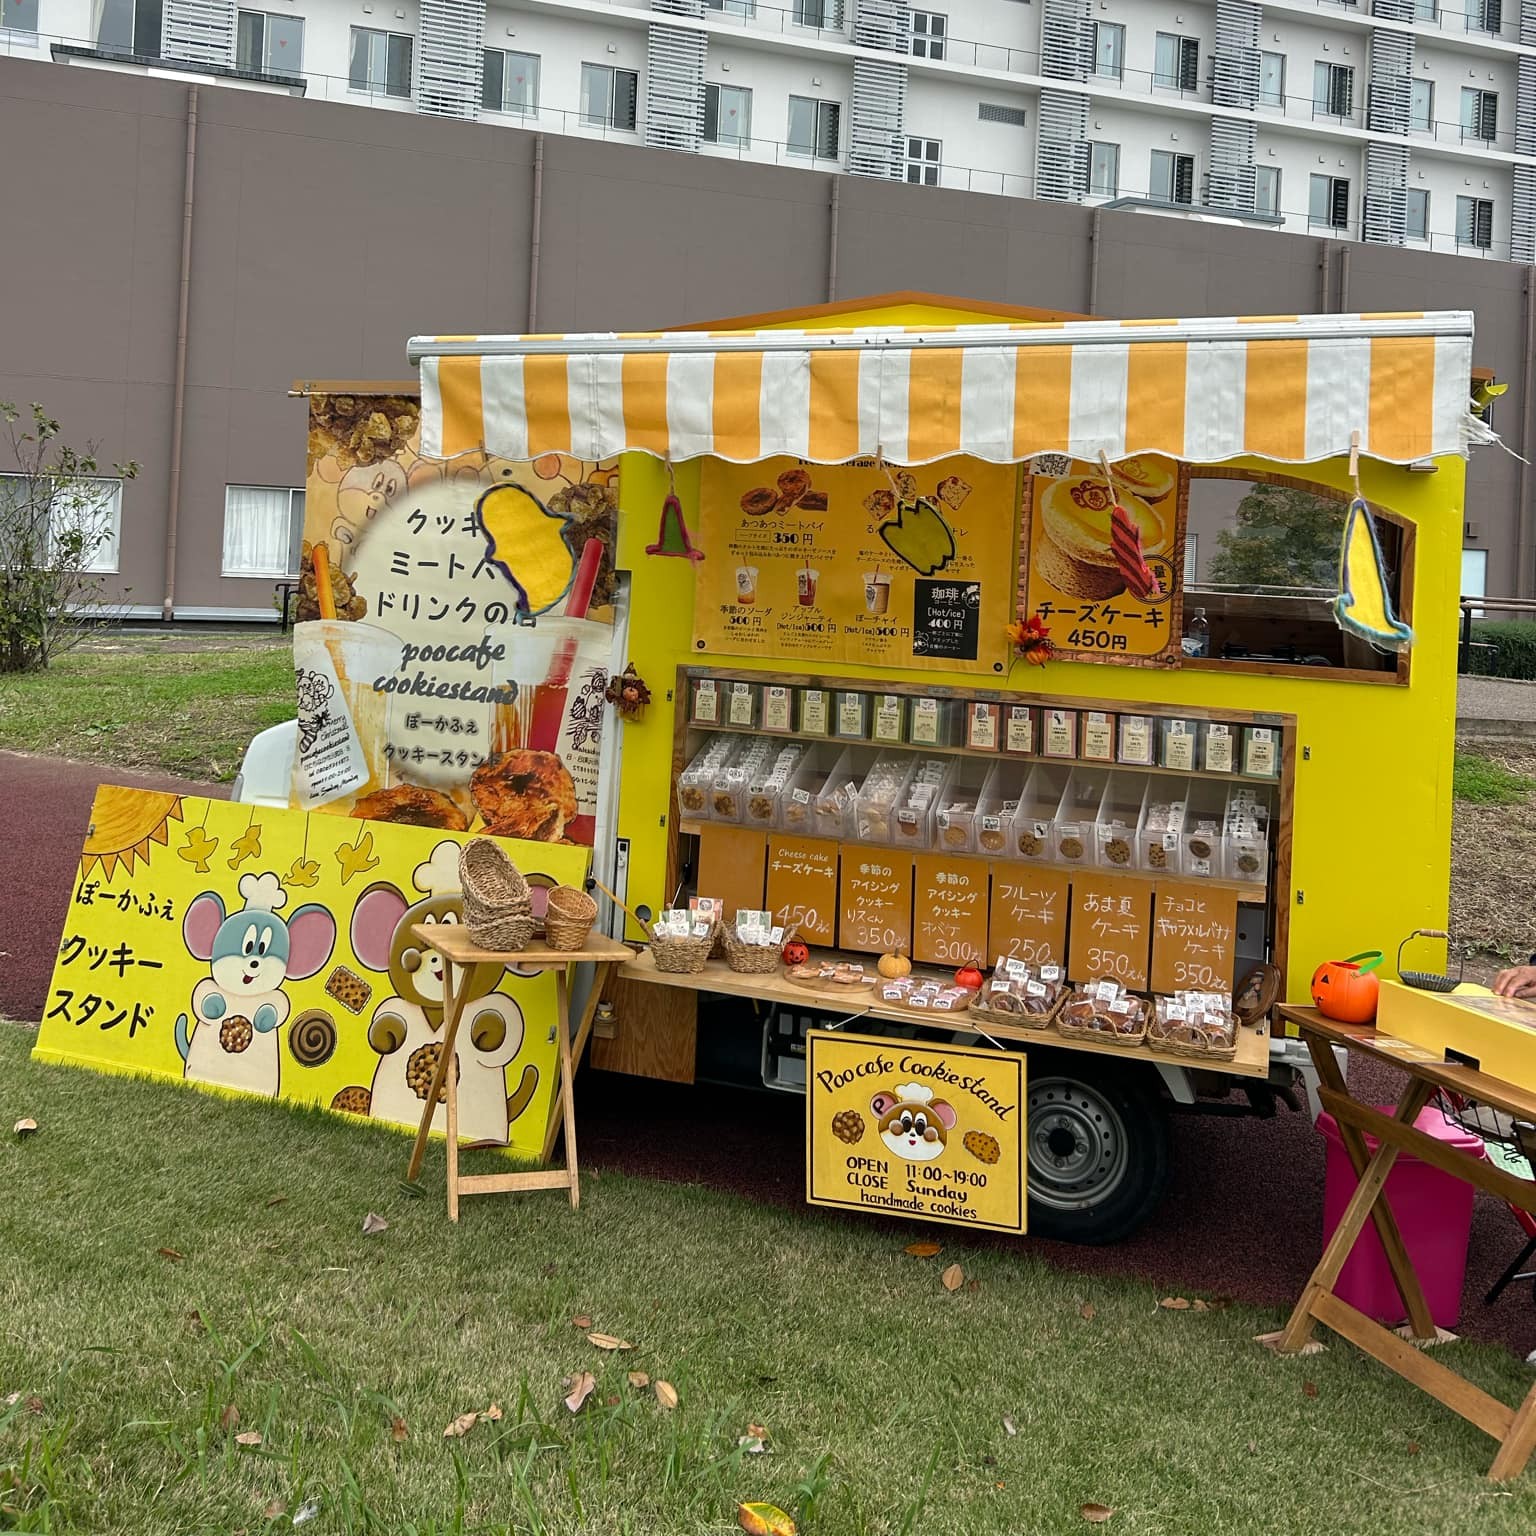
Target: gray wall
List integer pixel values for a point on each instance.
(324, 235)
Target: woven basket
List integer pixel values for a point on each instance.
(1256, 994)
(750, 959)
(684, 957)
(568, 918)
(1192, 1049)
(1073, 1031)
(1019, 1020)
(498, 912)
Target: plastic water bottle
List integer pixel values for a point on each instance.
(1197, 635)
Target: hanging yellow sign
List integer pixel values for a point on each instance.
(931, 1132)
(858, 563)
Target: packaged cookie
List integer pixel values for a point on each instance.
(997, 807)
(1020, 729)
(1246, 834)
(913, 826)
(1177, 741)
(1218, 747)
(1194, 1024)
(889, 719)
(850, 719)
(1203, 842)
(1097, 742)
(728, 787)
(830, 801)
(1073, 832)
(874, 803)
(1104, 1010)
(1035, 817)
(742, 703)
(1058, 733)
(766, 789)
(1118, 820)
(778, 708)
(954, 818)
(704, 701)
(934, 722)
(693, 785)
(983, 726)
(813, 712)
(1134, 742)
(1261, 752)
(1162, 822)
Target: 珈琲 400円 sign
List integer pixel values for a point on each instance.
(931, 1132)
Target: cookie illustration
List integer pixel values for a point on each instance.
(953, 491)
(312, 1038)
(353, 1101)
(420, 1068)
(349, 989)
(984, 1148)
(235, 1034)
(848, 1125)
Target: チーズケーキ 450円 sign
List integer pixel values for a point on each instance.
(932, 1132)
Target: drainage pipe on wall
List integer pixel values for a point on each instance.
(1523, 554)
(179, 389)
(535, 232)
(1343, 300)
(1094, 230)
(834, 210)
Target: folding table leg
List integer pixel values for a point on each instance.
(1511, 1274)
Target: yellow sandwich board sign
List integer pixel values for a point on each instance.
(927, 1131)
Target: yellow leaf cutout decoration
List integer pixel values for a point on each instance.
(197, 848)
(246, 846)
(1364, 606)
(356, 858)
(919, 536)
(764, 1520)
(304, 872)
(523, 541)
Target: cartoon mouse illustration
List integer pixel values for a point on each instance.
(406, 1029)
(913, 1124)
(231, 1036)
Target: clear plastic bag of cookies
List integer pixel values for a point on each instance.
(1199, 1021)
(693, 785)
(1119, 818)
(1072, 832)
(1106, 1007)
(1035, 816)
(874, 806)
(1162, 820)
(958, 805)
(765, 793)
(1246, 832)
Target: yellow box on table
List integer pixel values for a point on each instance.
(1496, 1035)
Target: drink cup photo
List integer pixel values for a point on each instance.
(746, 583)
(806, 580)
(877, 591)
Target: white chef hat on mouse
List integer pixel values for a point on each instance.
(439, 875)
(263, 893)
(914, 1093)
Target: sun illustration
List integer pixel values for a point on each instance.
(124, 823)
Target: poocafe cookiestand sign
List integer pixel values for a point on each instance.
(932, 1132)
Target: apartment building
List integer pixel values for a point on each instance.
(1404, 122)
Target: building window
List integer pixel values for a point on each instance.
(510, 83)
(1272, 79)
(924, 159)
(1176, 62)
(747, 8)
(1173, 177)
(84, 517)
(1421, 106)
(263, 530)
(1485, 15)
(380, 62)
(1426, 10)
(815, 127)
(1333, 89)
(270, 45)
(1418, 214)
(1328, 207)
(129, 26)
(1474, 222)
(1109, 49)
(1479, 114)
(810, 13)
(1474, 576)
(1104, 171)
(928, 33)
(728, 115)
(18, 15)
(608, 96)
(1266, 190)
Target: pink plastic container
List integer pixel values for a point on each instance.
(1434, 1214)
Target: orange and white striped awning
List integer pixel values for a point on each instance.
(1292, 389)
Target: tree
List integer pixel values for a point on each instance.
(1282, 538)
(54, 516)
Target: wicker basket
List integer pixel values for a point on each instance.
(498, 911)
(750, 959)
(1070, 1030)
(684, 957)
(568, 918)
(1193, 1049)
(1021, 1020)
(1256, 994)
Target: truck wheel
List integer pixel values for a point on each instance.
(1098, 1148)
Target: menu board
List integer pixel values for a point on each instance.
(802, 886)
(1109, 588)
(1193, 929)
(876, 900)
(731, 867)
(949, 910)
(1111, 922)
(1029, 914)
(862, 563)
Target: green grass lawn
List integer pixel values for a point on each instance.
(167, 1257)
(1479, 780)
(187, 713)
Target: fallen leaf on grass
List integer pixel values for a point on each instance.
(277, 1200)
(1175, 1303)
(32, 1403)
(582, 1321)
(666, 1395)
(924, 1250)
(461, 1426)
(639, 1380)
(172, 1255)
(1200, 1306)
(764, 1520)
(607, 1341)
(952, 1278)
(612, 1401)
(492, 1415)
(1096, 1514)
(1309, 1389)
(1413, 1447)
(1087, 1312)
(973, 1286)
(230, 1418)
(248, 1437)
(195, 1323)
(398, 1432)
(373, 1224)
(1009, 1427)
(275, 1510)
(25, 1126)
(760, 1430)
(582, 1387)
(1219, 1303)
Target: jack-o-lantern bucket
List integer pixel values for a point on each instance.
(1346, 990)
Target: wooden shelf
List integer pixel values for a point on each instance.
(1245, 891)
(1252, 1048)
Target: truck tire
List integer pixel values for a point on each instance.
(1098, 1145)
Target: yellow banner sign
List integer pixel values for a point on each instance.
(931, 1132)
(1108, 583)
(269, 952)
(858, 563)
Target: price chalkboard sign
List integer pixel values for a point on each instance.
(1193, 933)
(946, 619)
(876, 900)
(1111, 923)
(949, 910)
(802, 886)
(1029, 914)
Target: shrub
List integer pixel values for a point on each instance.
(1512, 653)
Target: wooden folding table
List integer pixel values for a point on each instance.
(1513, 1428)
(461, 955)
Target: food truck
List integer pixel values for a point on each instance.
(997, 670)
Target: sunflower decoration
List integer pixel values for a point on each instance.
(1031, 640)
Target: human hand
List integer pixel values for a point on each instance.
(1518, 981)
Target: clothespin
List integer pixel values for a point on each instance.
(1354, 458)
(1109, 474)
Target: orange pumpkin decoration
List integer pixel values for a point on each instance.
(795, 953)
(1346, 990)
